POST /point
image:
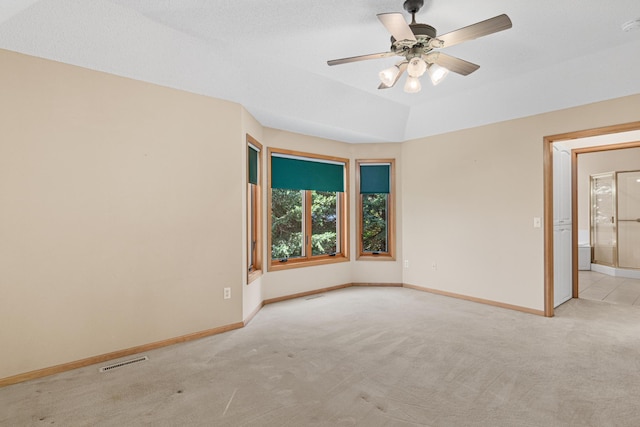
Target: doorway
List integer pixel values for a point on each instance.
(608, 230)
(593, 140)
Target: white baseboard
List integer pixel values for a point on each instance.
(616, 272)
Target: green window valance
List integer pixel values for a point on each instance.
(375, 178)
(253, 165)
(302, 173)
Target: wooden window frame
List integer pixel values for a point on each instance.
(389, 255)
(343, 218)
(254, 216)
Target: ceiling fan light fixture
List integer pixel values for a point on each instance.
(437, 73)
(412, 85)
(388, 76)
(415, 42)
(417, 66)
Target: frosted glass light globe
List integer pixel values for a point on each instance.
(388, 76)
(416, 67)
(412, 85)
(437, 73)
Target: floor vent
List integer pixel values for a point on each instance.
(124, 363)
(315, 296)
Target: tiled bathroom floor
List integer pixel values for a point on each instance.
(616, 290)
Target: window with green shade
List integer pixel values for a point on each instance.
(254, 226)
(307, 206)
(375, 210)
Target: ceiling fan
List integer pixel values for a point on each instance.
(417, 44)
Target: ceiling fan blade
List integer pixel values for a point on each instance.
(360, 58)
(397, 26)
(402, 67)
(484, 28)
(451, 63)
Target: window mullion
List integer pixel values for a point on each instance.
(387, 217)
(360, 223)
(308, 224)
(339, 231)
(254, 224)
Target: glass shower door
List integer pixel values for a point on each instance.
(603, 219)
(628, 189)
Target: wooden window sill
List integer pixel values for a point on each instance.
(253, 275)
(379, 257)
(297, 263)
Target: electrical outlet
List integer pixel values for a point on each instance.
(434, 266)
(227, 293)
(406, 263)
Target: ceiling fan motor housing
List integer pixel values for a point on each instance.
(413, 6)
(423, 33)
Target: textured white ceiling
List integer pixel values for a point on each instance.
(270, 56)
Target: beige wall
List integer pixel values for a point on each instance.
(600, 162)
(120, 213)
(469, 199)
(123, 211)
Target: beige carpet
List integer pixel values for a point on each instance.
(366, 357)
